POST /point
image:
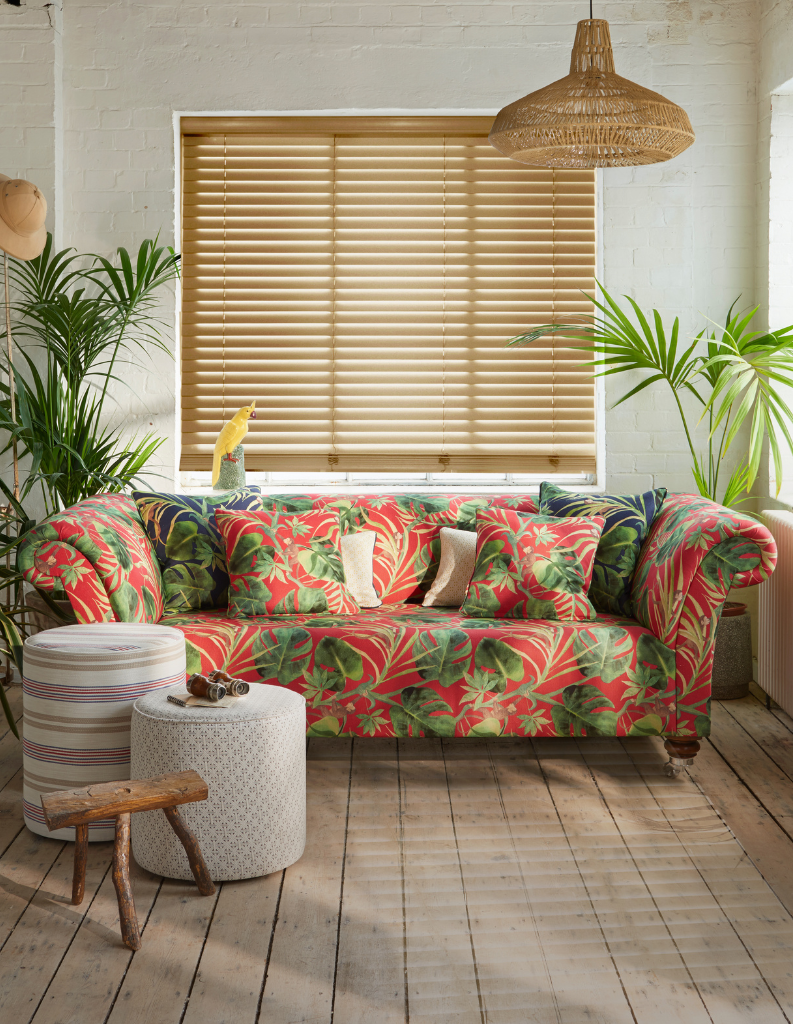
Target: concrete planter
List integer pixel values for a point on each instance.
(732, 660)
(40, 616)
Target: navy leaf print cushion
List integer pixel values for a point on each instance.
(628, 520)
(188, 545)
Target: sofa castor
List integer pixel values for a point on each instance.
(682, 750)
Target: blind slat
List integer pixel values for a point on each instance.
(361, 284)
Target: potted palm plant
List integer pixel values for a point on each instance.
(83, 322)
(75, 320)
(734, 373)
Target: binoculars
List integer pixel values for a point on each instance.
(216, 685)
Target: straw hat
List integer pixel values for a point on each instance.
(22, 212)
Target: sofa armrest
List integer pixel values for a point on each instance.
(98, 551)
(55, 566)
(695, 552)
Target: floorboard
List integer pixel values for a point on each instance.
(772, 734)
(157, 983)
(447, 882)
(88, 978)
(228, 985)
(370, 980)
(298, 988)
(44, 931)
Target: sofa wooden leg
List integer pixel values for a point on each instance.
(682, 750)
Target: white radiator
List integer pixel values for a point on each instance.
(775, 646)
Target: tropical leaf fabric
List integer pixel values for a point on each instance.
(628, 519)
(402, 670)
(98, 554)
(532, 567)
(281, 562)
(695, 552)
(187, 544)
(408, 526)
(408, 548)
(405, 670)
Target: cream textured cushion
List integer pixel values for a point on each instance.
(458, 555)
(357, 552)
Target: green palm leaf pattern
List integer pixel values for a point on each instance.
(628, 520)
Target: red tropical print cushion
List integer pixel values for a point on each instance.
(532, 567)
(281, 562)
(517, 502)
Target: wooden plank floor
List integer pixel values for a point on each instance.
(468, 882)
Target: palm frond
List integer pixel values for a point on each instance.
(746, 370)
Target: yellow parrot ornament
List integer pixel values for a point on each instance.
(230, 436)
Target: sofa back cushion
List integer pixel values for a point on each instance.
(185, 538)
(408, 548)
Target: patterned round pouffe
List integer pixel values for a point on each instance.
(252, 755)
(79, 685)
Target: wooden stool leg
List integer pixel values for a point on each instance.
(80, 858)
(197, 863)
(130, 933)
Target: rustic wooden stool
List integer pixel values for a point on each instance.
(120, 800)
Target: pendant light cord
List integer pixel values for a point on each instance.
(590, 10)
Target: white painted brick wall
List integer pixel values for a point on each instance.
(27, 96)
(680, 236)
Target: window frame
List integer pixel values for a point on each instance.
(199, 481)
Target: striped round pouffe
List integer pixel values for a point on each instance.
(79, 685)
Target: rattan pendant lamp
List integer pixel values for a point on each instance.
(592, 117)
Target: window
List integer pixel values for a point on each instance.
(359, 278)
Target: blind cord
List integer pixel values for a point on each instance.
(554, 459)
(333, 458)
(225, 251)
(443, 319)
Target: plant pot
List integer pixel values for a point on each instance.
(732, 659)
(40, 616)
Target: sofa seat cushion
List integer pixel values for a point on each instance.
(209, 636)
(407, 671)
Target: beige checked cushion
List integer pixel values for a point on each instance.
(458, 555)
(357, 552)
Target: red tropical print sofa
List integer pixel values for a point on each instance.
(405, 670)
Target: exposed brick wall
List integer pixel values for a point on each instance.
(680, 236)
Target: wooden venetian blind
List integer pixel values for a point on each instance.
(359, 278)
